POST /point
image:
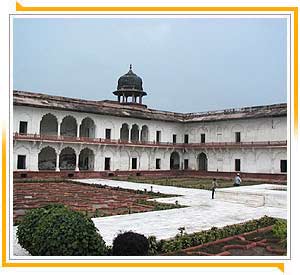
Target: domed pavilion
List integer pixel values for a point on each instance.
(130, 86)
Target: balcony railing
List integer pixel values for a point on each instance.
(36, 137)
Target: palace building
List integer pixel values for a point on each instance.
(54, 133)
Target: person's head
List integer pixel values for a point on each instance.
(214, 179)
(238, 174)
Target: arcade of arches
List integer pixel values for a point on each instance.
(68, 127)
(67, 159)
(49, 126)
(135, 133)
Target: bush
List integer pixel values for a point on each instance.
(55, 230)
(153, 245)
(280, 230)
(130, 244)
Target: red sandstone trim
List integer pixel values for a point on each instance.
(118, 142)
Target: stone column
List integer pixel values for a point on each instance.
(140, 100)
(129, 134)
(78, 130)
(77, 162)
(58, 128)
(57, 163)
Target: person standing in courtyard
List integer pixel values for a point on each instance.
(214, 185)
(237, 180)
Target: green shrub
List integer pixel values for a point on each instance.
(55, 230)
(130, 244)
(280, 229)
(27, 228)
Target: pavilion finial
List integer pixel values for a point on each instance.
(130, 66)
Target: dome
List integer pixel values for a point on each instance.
(130, 86)
(130, 81)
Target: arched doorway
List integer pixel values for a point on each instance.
(48, 125)
(87, 128)
(47, 159)
(174, 161)
(202, 162)
(68, 127)
(86, 159)
(144, 133)
(67, 159)
(124, 132)
(134, 135)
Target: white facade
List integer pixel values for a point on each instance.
(252, 145)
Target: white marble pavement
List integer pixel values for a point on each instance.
(202, 212)
(256, 195)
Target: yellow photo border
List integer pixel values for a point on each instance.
(279, 265)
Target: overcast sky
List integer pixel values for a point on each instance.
(187, 65)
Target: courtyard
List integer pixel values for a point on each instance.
(231, 206)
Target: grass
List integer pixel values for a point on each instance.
(160, 205)
(195, 183)
(153, 206)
